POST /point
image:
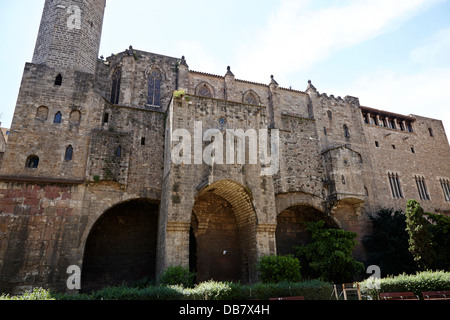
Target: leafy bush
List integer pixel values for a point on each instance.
(329, 255)
(213, 290)
(417, 283)
(177, 275)
(210, 290)
(274, 269)
(35, 294)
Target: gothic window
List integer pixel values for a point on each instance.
(394, 182)
(154, 88)
(346, 132)
(32, 162)
(422, 188)
(251, 98)
(115, 86)
(58, 80)
(58, 117)
(204, 91)
(445, 184)
(42, 113)
(69, 153)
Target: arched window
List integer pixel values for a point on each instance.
(69, 153)
(250, 97)
(115, 87)
(346, 132)
(32, 162)
(154, 88)
(58, 80)
(58, 117)
(204, 91)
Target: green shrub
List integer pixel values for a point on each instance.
(329, 255)
(177, 275)
(417, 283)
(274, 269)
(310, 290)
(35, 294)
(213, 290)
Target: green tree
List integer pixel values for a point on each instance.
(387, 244)
(419, 240)
(440, 238)
(329, 255)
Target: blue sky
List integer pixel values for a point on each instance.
(392, 55)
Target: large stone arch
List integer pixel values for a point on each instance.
(223, 233)
(121, 246)
(294, 210)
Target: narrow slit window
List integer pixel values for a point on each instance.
(119, 152)
(346, 132)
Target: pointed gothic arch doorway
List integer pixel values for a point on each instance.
(223, 236)
(121, 246)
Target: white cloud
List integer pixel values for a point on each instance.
(423, 91)
(298, 36)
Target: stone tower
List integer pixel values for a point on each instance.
(55, 107)
(69, 34)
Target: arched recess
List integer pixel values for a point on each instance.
(223, 233)
(204, 89)
(121, 246)
(294, 211)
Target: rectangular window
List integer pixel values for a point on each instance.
(445, 184)
(394, 182)
(422, 188)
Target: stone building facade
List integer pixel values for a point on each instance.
(88, 177)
